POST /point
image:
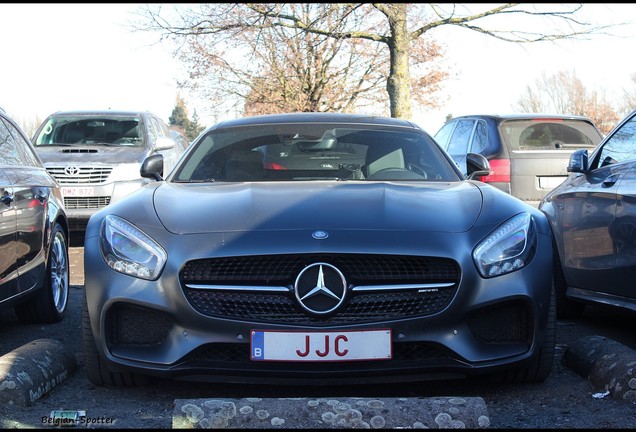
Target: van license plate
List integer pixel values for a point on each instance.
(78, 192)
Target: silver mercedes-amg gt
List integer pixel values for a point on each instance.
(317, 248)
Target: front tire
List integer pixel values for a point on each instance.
(49, 304)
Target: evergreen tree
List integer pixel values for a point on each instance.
(179, 118)
(194, 128)
(179, 115)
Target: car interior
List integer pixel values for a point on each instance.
(95, 131)
(336, 155)
(546, 136)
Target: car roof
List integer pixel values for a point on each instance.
(525, 116)
(317, 117)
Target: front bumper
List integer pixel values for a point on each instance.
(151, 327)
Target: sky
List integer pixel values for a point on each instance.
(85, 56)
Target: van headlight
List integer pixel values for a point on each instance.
(128, 250)
(126, 172)
(508, 248)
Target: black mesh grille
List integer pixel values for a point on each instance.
(283, 309)
(504, 323)
(135, 326)
(282, 270)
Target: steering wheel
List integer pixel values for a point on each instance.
(395, 174)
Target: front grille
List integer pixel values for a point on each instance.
(504, 323)
(282, 269)
(86, 202)
(283, 308)
(136, 326)
(80, 175)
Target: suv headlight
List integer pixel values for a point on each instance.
(508, 248)
(128, 250)
(126, 172)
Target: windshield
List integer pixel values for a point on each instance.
(292, 152)
(83, 130)
(549, 134)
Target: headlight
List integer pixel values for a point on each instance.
(128, 250)
(126, 171)
(508, 248)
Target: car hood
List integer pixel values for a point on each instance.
(441, 207)
(92, 154)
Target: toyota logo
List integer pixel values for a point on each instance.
(71, 171)
(320, 288)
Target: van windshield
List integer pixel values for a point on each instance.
(83, 130)
(549, 135)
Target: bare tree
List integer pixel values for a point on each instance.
(281, 69)
(29, 126)
(307, 72)
(564, 93)
(629, 103)
(398, 27)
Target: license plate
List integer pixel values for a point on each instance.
(78, 192)
(550, 182)
(321, 346)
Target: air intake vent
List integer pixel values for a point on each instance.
(79, 150)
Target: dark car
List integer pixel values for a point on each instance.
(527, 152)
(34, 265)
(593, 216)
(391, 266)
(96, 155)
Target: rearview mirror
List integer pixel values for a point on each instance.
(152, 167)
(578, 161)
(477, 165)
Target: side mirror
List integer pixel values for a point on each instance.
(578, 162)
(152, 167)
(477, 165)
(164, 143)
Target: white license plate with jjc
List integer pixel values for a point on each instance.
(321, 346)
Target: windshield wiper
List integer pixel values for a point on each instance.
(206, 180)
(349, 172)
